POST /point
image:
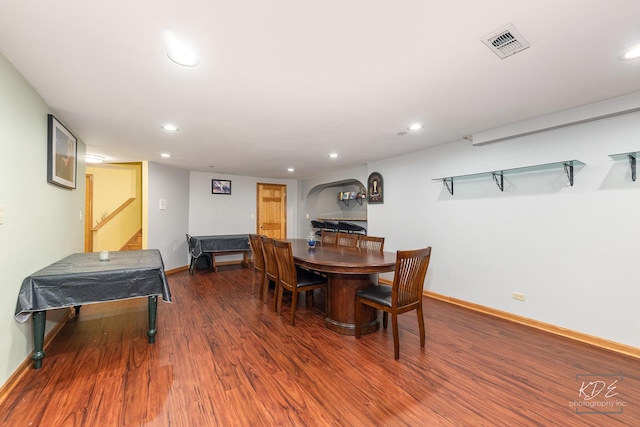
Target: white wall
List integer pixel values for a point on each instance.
(41, 221)
(166, 229)
(573, 251)
(219, 214)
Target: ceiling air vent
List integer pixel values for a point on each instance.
(505, 42)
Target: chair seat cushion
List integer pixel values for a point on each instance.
(307, 278)
(379, 294)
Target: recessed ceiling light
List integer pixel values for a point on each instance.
(169, 127)
(415, 126)
(93, 158)
(333, 155)
(180, 53)
(629, 54)
(165, 155)
(290, 169)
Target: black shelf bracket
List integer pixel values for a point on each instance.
(499, 182)
(632, 162)
(498, 176)
(568, 169)
(449, 184)
(346, 201)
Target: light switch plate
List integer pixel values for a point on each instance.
(163, 204)
(1, 215)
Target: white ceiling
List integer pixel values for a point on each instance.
(283, 83)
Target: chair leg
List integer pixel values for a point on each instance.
(276, 289)
(294, 302)
(396, 337)
(421, 325)
(309, 298)
(358, 316)
(265, 289)
(385, 319)
(277, 296)
(253, 283)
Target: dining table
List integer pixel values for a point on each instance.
(348, 270)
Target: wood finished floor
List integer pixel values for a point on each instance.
(222, 358)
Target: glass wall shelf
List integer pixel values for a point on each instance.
(498, 175)
(631, 156)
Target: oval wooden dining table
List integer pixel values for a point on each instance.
(348, 270)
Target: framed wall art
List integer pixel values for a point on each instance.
(220, 186)
(62, 150)
(375, 185)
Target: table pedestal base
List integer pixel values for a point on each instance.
(342, 301)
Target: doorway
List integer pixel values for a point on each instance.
(88, 213)
(271, 218)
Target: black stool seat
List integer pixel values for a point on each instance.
(330, 225)
(349, 227)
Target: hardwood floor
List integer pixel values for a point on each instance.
(223, 358)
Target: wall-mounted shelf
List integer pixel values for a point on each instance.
(631, 156)
(498, 175)
(346, 201)
(348, 196)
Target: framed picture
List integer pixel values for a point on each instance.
(62, 150)
(220, 186)
(375, 188)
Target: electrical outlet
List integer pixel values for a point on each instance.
(518, 296)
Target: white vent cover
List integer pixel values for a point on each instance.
(505, 42)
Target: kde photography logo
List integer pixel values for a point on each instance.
(598, 394)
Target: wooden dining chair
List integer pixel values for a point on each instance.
(371, 242)
(347, 239)
(404, 295)
(295, 280)
(258, 263)
(328, 237)
(270, 269)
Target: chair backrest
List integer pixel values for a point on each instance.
(347, 239)
(256, 248)
(408, 281)
(270, 265)
(287, 276)
(328, 237)
(371, 242)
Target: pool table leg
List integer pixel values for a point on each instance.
(153, 310)
(39, 320)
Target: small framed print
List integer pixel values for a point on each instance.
(220, 186)
(62, 149)
(375, 185)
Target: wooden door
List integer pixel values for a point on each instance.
(272, 210)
